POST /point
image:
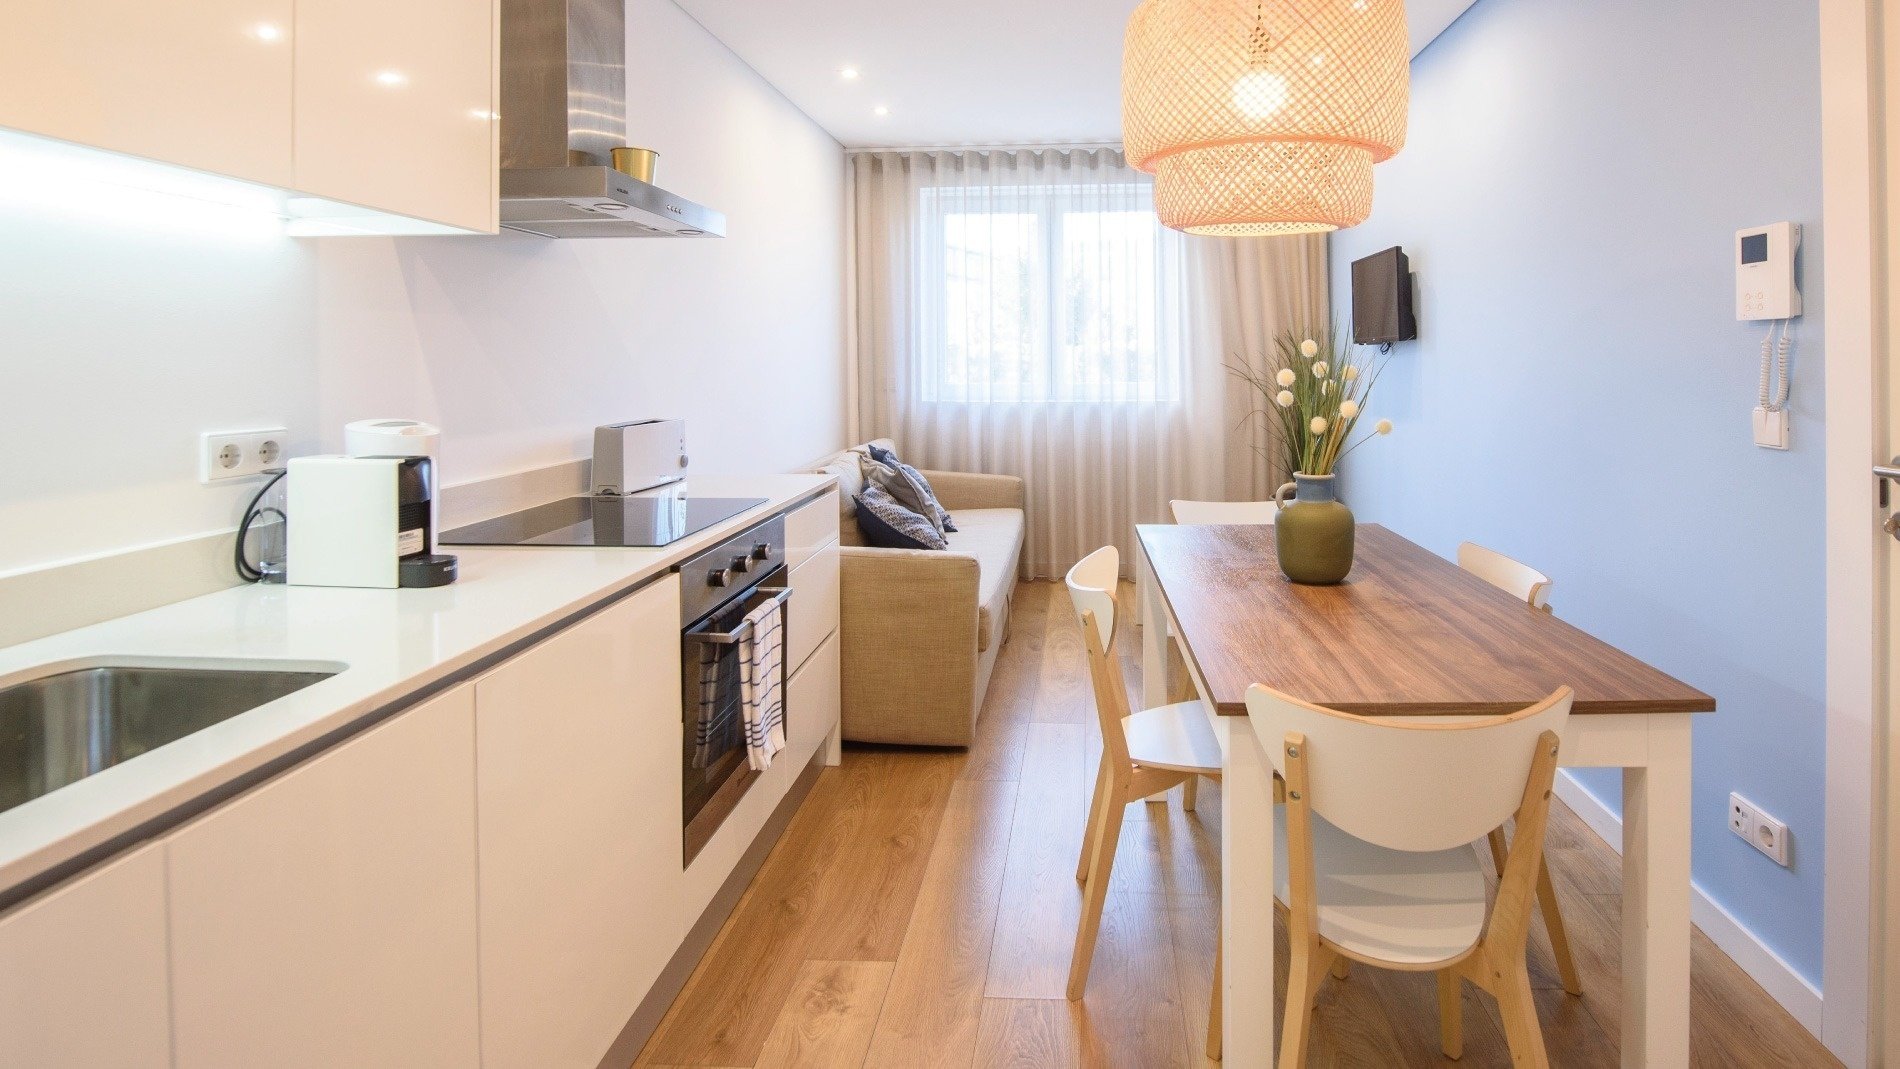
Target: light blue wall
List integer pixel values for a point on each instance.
(1579, 395)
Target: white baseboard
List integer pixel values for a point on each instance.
(1786, 986)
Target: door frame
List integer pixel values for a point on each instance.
(1854, 197)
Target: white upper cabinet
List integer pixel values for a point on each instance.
(82, 971)
(328, 917)
(355, 116)
(205, 84)
(396, 107)
(578, 744)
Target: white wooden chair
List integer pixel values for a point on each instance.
(1522, 581)
(1375, 861)
(1142, 754)
(1515, 578)
(1208, 512)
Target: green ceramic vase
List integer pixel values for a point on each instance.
(1313, 534)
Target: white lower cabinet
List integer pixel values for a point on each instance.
(82, 971)
(491, 877)
(328, 917)
(812, 698)
(578, 744)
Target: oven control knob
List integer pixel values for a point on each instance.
(718, 577)
(762, 551)
(741, 563)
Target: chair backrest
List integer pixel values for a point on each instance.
(1405, 785)
(1092, 584)
(1206, 512)
(1513, 577)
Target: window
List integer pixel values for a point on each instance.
(1047, 293)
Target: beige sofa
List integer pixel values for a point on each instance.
(920, 629)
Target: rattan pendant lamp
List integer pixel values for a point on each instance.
(1264, 116)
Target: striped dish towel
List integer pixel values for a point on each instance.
(762, 696)
(706, 724)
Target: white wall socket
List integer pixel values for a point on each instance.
(227, 455)
(1762, 831)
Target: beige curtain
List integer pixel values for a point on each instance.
(1022, 312)
(1261, 288)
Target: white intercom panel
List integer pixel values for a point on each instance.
(1765, 289)
(1764, 272)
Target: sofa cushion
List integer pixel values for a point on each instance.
(906, 484)
(848, 466)
(995, 538)
(889, 523)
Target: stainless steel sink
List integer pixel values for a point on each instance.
(63, 726)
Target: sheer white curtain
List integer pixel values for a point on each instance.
(1023, 312)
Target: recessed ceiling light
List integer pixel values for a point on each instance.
(880, 111)
(391, 78)
(849, 74)
(265, 31)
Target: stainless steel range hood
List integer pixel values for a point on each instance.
(563, 111)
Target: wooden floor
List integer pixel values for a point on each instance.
(919, 912)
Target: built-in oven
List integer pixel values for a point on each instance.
(720, 588)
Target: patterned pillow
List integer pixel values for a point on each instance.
(907, 485)
(886, 522)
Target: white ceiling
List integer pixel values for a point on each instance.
(955, 72)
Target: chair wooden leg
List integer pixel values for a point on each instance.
(1559, 938)
(1553, 916)
(1342, 969)
(1302, 987)
(1108, 833)
(1451, 1015)
(1519, 1011)
(1213, 1008)
(1190, 793)
(1096, 801)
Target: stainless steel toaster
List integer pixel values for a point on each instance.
(638, 455)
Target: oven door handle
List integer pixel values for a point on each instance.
(778, 596)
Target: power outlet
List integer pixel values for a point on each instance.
(1760, 830)
(227, 455)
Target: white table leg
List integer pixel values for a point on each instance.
(1246, 847)
(1154, 637)
(1656, 900)
(1153, 618)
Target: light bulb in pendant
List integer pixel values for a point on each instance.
(1259, 94)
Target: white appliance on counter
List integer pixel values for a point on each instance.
(391, 438)
(362, 522)
(639, 455)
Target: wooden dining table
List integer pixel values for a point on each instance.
(1409, 633)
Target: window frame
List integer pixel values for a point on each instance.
(1051, 378)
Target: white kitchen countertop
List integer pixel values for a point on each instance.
(392, 644)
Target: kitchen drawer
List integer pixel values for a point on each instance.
(813, 610)
(810, 528)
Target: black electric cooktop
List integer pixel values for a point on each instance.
(606, 520)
